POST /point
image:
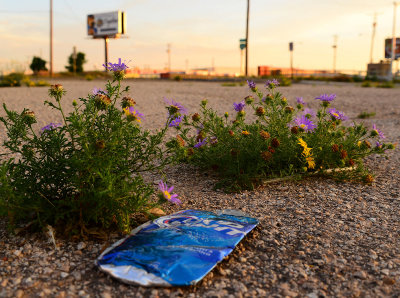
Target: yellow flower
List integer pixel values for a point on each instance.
(245, 132)
(359, 143)
(310, 162)
(306, 149)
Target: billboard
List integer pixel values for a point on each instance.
(109, 24)
(388, 48)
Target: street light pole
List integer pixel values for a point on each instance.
(247, 39)
(334, 53)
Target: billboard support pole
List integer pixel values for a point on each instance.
(106, 51)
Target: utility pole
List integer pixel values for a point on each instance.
(372, 38)
(169, 56)
(106, 39)
(247, 39)
(335, 37)
(51, 38)
(291, 59)
(74, 56)
(390, 75)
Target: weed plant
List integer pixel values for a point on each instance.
(283, 141)
(85, 171)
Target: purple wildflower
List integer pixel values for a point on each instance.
(50, 126)
(310, 112)
(201, 143)
(239, 106)
(380, 133)
(99, 91)
(133, 115)
(304, 123)
(166, 193)
(338, 115)
(251, 84)
(120, 66)
(378, 144)
(176, 122)
(326, 97)
(174, 107)
(271, 83)
(300, 101)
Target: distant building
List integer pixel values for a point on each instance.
(379, 70)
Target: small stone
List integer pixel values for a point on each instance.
(156, 212)
(360, 274)
(385, 271)
(81, 245)
(106, 295)
(312, 295)
(19, 293)
(388, 281)
(64, 274)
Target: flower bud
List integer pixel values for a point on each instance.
(102, 101)
(367, 144)
(374, 133)
(335, 148)
(268, 98)
(204, 103)
(368, 178)
(100, 144)
(241, 114)
(266, 155)
(180, 141)
(196, 117)
(265, 135)
(226, 115)
(190, 151)
(127, 102)
(260, 111)
(289, 110)
(275, 143)
(56, 91)
(295, 130)
(249, 99)
(74, 103)
(351, 162)
(231, 133)
(29, 117)
(270, 149)
(343, 154)
(390, 146)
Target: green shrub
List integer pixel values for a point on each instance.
(178, 78)
(229, 84)
(366, 84)
(365, 115)
(12, 80)
(85, 171)
(387, 84)
(282, 141)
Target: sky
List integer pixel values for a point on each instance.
(202, 33)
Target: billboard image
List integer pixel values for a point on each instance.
(109, 24)
(388, 48)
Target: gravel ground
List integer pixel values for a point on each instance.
(316, 237)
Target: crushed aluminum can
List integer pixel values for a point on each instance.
(177, 249)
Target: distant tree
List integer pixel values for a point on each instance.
(37, 65)
(80, 60)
